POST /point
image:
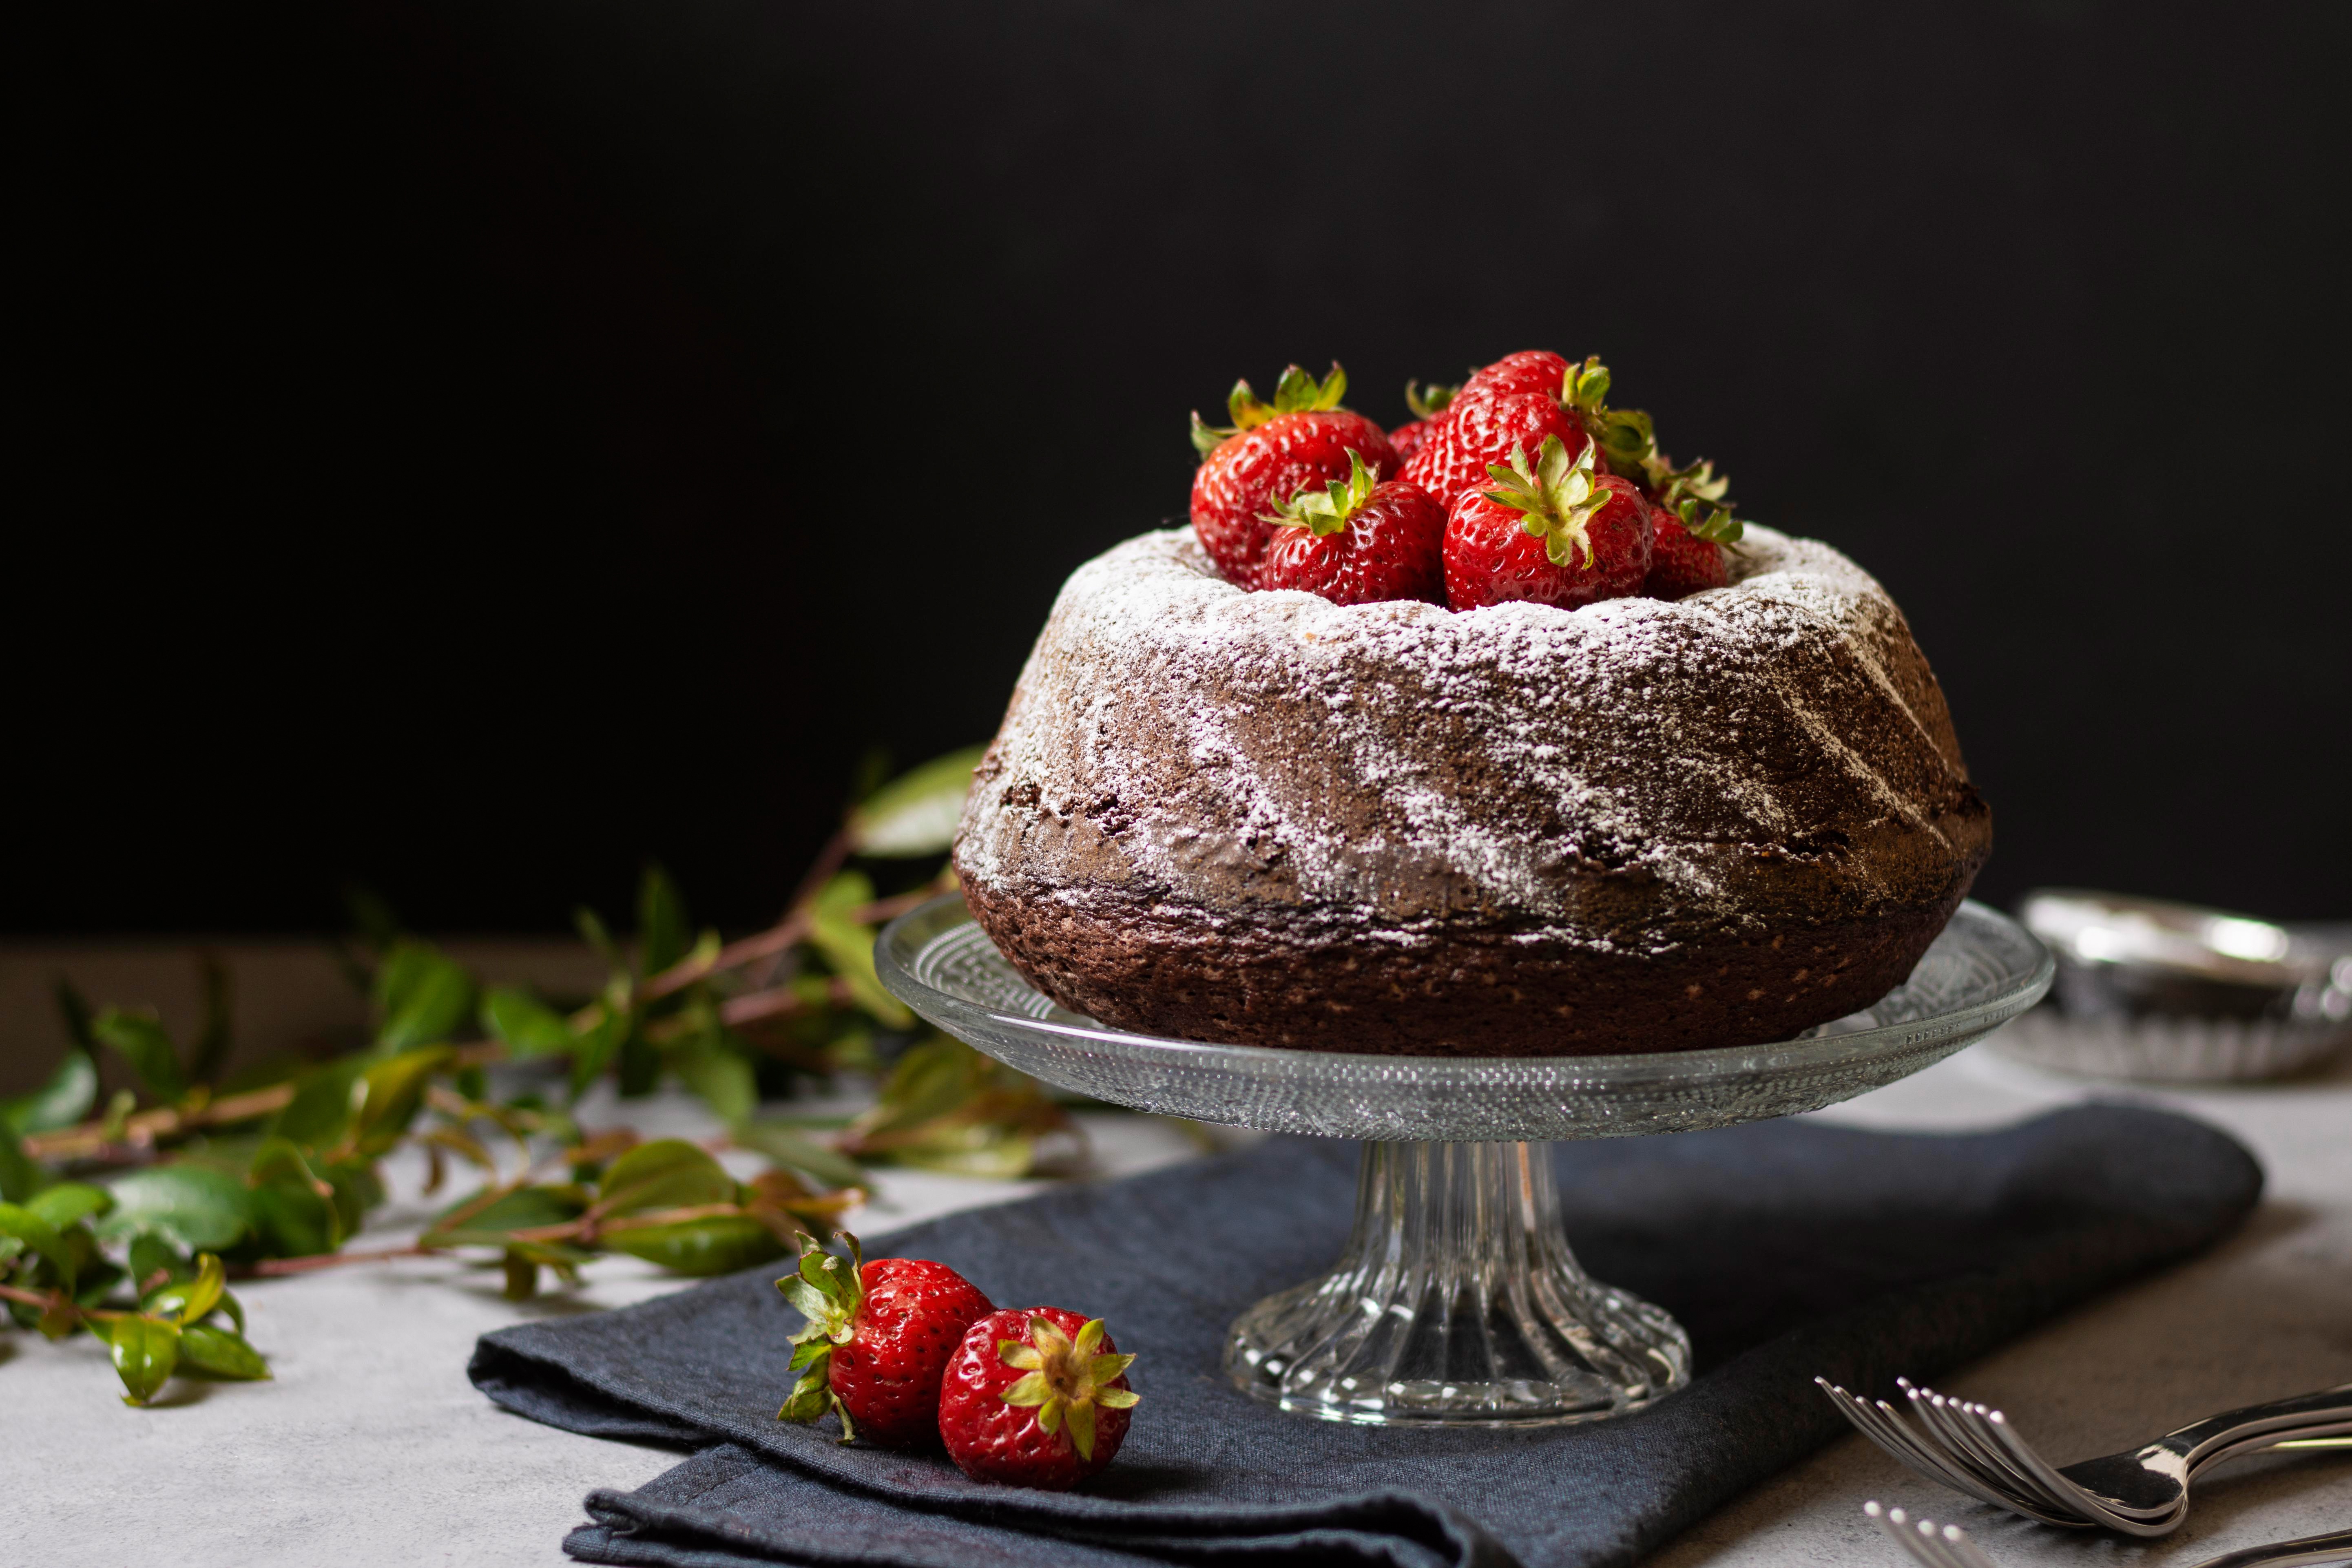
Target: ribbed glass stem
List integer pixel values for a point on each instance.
(1457, 1300)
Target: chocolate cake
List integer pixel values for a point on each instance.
(1262, 818)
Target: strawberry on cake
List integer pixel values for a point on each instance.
(1520, 744)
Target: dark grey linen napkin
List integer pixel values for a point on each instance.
(1788, 1248)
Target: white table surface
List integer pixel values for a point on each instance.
(372, 1447)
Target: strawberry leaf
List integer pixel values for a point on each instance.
(1328, 512)
(1559, 498)
(1429, 402)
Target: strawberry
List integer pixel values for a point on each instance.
(1426, 404)
(878, 1336)
(1681, 563)
(1559, 533)
(1520, 399)
(1269, 454)
(1530, 370)
(1691, 523)
(1477, 432)
(1359, 543)
(1037, 1398)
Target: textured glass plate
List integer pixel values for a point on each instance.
(1983, 970)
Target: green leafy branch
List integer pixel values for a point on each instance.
(195, 1175)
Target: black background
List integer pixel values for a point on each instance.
(472, 448)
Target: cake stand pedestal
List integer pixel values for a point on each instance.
(1457, 1301)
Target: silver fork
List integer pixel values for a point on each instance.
(2143, 1491)
(1933, 1545)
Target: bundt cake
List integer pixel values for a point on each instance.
(1637, 825)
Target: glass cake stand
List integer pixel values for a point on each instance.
(1456, 1301)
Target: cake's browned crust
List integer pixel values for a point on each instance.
(1476, 992)
(1265, 819)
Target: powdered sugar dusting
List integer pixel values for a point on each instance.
(1622, 773)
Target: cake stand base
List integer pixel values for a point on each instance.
(1457, 1303)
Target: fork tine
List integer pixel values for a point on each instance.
(2013, 1486)
(1998, 1424)
(1896, 1528)
(1948, 1418)
(1944, 1463)
(1884, 1427)
(1983, 1425)
(1932, 1545)
(1928, 1407)
(1968, 1552)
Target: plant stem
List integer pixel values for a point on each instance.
(269, 1267)
(163, 1122)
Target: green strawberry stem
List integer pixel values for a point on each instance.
(1428, 402)
(1559, 498)
(827, 1290)
(1328, 510)
(1629, 442)
(1295, 393)
(1067, 1379)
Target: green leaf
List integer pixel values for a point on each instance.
(389, 1095)
(219, 1353)
(716, 1244)
(70, 1203)
(151, 1253)
(296, 1219)
(421, 995)
(1428, 402)
(662, 933)
(915, 813)
(529, 1026)
(203, 1209)
(20, 1176)
(639, 1071)
(41, 1237)
(525, 1209)
(721, 1075)
(976, 1150)
(140, 1039)
(599, 939)
(320, 1115)
(1295, 391)
(849, 946)
(596, 1047)
(1243, 408)
(796, 1151)
(146, 1349)
(61, 1101)
(668, 1174)
(187, 1301)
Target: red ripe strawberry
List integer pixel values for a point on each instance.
(1681, 563)
(1427, 403)
(1269, 454)
(1359, 543)
(1691, 522)
(878, 1338)
(1530, 370)
(1035, 1399)
(1556, 533)
(1478, 431)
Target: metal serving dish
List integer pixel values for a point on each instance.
(2147, 988)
